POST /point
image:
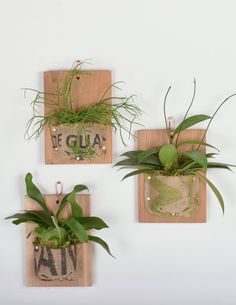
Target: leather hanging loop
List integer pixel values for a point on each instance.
(171, 125)
(59, 190)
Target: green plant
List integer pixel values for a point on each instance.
(168, 160)
(78, 152)
(121, 115)
(54, 231)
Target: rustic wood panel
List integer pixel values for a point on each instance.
(86, 91)
(153, 138)
(84, 259)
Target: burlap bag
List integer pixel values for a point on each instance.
(63, 135)
(57, 264)
(171, 196)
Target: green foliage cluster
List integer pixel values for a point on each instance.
(120, 115)
(168, 160)
(54, 231)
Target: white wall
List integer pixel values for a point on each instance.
(150, 45)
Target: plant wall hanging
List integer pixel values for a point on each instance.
(79, 115)
(172, 164)
(58, 249)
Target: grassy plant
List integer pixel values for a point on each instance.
(88, 153)
(54, 231)
(168, 160)
(121, 115)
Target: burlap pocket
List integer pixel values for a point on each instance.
(89, 138)
(171, 196)
(57, 264)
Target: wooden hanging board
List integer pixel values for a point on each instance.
(158, 137)
(84, 259)
(86, 91)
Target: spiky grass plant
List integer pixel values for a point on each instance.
(168, 160)
(121, 115)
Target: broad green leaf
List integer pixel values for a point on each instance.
(199, 157)
(26, 217)
(54, 219)
(43, 216)
(168, 155)
(153, 159)
(50, 234)
(188, 165)
(126, 162)
(101, 242)
(133, 155)
(196, 142)
(191, 121)
(77, 229)
(211, 155)
(137, 172)
(142, 166)
(34, 193)
(220, 165)
(92, 223)
(79, 188)
(39, 231)
(215, 191)
(147, 153)
(76, 209)
(71, 198)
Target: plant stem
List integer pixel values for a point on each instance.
(224, 101)
(165, 116)
(194, 93)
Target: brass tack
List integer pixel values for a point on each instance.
(148, 198)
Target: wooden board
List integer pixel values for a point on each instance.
(85, 91)
(153, 138)
(84, 259)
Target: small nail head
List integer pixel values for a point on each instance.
(148, 198)
(77, 158)
(149, 177)
(56, 148)
(54, 129)
(104, 148)
(36, 248)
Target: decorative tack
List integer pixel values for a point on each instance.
(55, 148)
(77, 158)
(54, 129)
(149, 177)
(104, 148)
(36, 248)
(148, 198)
